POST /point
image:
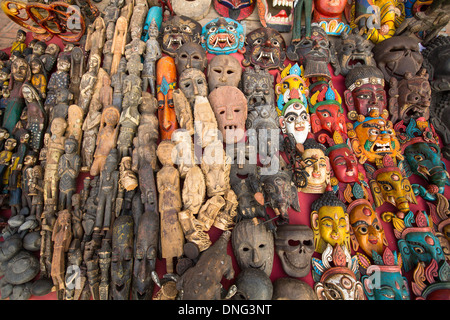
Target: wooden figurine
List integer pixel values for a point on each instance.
(88, 81)
(137, 18)
(185, 158)
(75, 124)
(184, 111)
(36, 190)
(19, 45)
(168, 185)
(205, 123)
(27, 178)
(152, 54)
(68, 169)
(90, 129)
(38, 77)
(50, 56)
(37, 117)
(119, 42)
(95, 38)
(203, 281)
(117, 83)
(61, 238)
(194, 190)
(216, 168)
(77, 69)
(106, 138)
(58, 80)
(129, 121)
(107, 53)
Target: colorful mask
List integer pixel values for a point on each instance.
(196, 10)
(418, 243)
(373, 137)
(383, 280)
(223, 36)
(191, 55)
(338, 282)
(253, 245)
(353, 50)
(230, 108)
(291, 85)
(295, 120)
(294, 245)
(330, 222)
(343, 160)
(420, 147)
(278, 16)
(410, 97)
(316, 167)
(366, 229)
(166, 81)
(365, 91)
(122, 258)
(265, 47)
(223, 70)
(314, 53)
(440, 214)
(432, 281)
(328, 15)
(390, 184)
(234, 9)
(178, 30)
(398, 55)
(154, 13)
(326, 110)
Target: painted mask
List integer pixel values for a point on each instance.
(166, 81)
(295, 120)
(412, 96)
(223, 70)
(330, 222)
(366, 230)
(230, 108)
(196, 10)
(234, 9)
(191, 55)
(383, 280)
(437, 62)
(223, 36)
(178, 30)
(328, 15)
(365, 91)
(398, 55)
(326, 111)
(418, 243)
(353, 50)
(257, 86)
(432, 281)
(291, 84)
(266, 48)
(154, 13)
(337, 281)
(253, 246)
(314, 53)
(344, 162)
(294, 245)
(317, 167)
(280, 193)
(193, 83)
(145, 256)
(389, 184)
(122, 257)
(420, 147)
(276, 15)
(373, 137)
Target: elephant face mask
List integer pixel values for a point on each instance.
(294, 245)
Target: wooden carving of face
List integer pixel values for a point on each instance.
(166, 77)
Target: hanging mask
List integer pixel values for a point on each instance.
(295, 120)
(316, 167)
(265, 47)
(166, 81)
(234, 9)
(291, 84)
(276, 15)
(223, 70)
(257, 86)
(294, 245)
(193, 83)
(342, 160)
(328, 15)
(191, 55)
(436, 62)
(223, 36)
(178, 30)
(196, 10)
(253, 245)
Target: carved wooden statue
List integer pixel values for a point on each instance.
(61, 237)
(95, 39)
(119, 42)
(68, 169)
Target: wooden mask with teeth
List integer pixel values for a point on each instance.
(276, 14)
(223, 36)
(178, 30)
(265, 47)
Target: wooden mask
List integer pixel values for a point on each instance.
(166, 82)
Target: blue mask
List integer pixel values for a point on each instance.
(223, 36)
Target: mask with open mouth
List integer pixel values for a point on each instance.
(365, 91)
(178, 30)
(353, 50)
(234, 9)
(257, 86)
(223, 36)
(276, 14)
(266, 48)
(410, 98)
(326, 111)
(373, 137)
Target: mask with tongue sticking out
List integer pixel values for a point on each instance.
(223, 36)
(276, 14)
(234, 9)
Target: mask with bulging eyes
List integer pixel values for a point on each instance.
(191, 55)
(178, 30)
(193, 83)
(223, 70)
(253, 245)
(294, 245)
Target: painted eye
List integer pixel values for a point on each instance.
(285, 86)
(305, 117)
(325, 115)
(374, 132)
(185, 29)
(290, 119)
(257, 42)
(419, 157)
(212, 29)
(231, 28)
(167, 29)
(275, 43)
(334, 294)
(363, 230)
(387, 187)
(419, 250)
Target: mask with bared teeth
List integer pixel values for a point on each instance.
(223, 36)
(178, 30)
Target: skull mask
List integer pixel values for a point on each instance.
(294, 245)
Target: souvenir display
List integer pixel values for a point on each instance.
(223, 36)
(164, 150)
